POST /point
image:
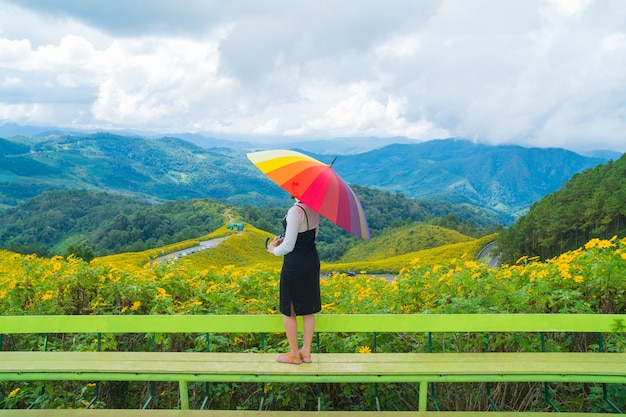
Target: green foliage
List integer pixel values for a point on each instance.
(106, 223)
(30, 249)
(156, 169)
(404, 239)
(590, 205)
(588, 280)
(80, 251)
(11, 148)
(506, 179)
(110, 223)
(399, 263)
(12, 193)
(385, 212)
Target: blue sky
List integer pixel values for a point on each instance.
(546, 73)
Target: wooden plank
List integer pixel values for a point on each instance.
(397, 363)
(463, 323)
(326, 367)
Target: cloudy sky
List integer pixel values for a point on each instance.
(547, 73)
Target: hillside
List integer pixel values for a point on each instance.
(590, 205)
(405, 239)
(107, 223)
(507, 179)
(155, 169)
(245, 250)
(504, 180)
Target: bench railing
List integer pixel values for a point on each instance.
(325, 323)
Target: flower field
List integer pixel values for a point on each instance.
(591, 279)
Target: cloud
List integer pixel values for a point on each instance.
(537, 72)
(155, 81)
(569, 7)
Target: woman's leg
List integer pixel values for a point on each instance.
(308, 324)
(291, 331)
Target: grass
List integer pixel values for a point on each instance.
(247, 249)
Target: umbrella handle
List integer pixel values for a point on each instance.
(267, 239)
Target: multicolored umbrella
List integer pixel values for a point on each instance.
(315, 184)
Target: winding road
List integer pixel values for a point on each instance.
(204, 245)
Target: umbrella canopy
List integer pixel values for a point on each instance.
(316, 185)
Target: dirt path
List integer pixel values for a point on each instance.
(204, 245)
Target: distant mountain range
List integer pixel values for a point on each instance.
(503, 179)
(508, 179)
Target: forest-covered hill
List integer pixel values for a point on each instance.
(507, 179)
(503, 179)
(110, 223)
(592, 204)
(158, 170)
(107, 223)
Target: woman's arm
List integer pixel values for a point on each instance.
(294, 218)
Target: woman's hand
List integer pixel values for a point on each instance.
(274, 243)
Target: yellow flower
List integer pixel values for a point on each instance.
(365, 349)
(14, 392)
(520, 260)
(47, 295)
(607, 243)
(162, 293)
(135, 306)
(579, 278)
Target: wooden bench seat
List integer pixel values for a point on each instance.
(345, 367)
(327, 368)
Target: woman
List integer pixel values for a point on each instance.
(299, 279)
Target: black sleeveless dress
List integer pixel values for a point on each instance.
(300, 277)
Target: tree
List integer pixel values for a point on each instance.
(80, 251)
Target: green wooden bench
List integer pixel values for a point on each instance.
(423, 368)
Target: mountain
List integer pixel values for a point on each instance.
(604, 154)
(334, 146)
(331, 146)
(590, 205)
(507, 179)
(107, 223)
(503, 179)
(156, 169)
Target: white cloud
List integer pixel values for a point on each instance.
(156, 81)
(534, 72)
(13, 50)
(569, 7)
(399, 46)
(19, 112)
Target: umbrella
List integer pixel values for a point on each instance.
(316, 185)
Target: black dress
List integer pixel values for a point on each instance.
(300, 277)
